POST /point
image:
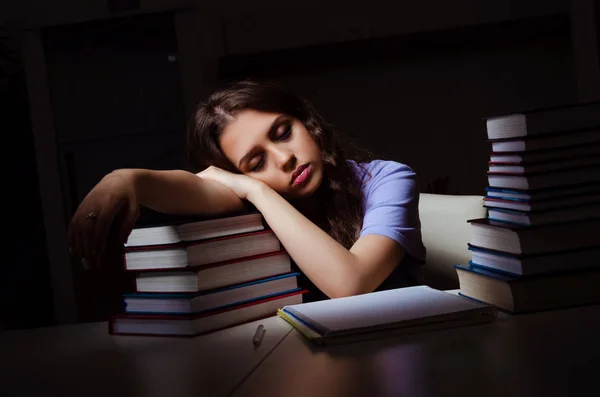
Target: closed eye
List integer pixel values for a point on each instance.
(259, 165)
(286, 133)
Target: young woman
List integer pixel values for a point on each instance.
(350, 227)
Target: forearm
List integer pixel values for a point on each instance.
(328, 264)
(182, 192)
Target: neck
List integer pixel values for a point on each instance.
(311, 206)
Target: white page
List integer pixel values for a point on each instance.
(384, 307)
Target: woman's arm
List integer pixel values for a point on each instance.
(334, 269)
(181, 192)
(174, 192)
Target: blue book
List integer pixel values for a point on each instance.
(520, 265)
(216, 299)
(545, 217)
(542, 194)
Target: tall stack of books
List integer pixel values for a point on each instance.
(539, 247)
(200, 276)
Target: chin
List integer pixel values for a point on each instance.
(312, 187)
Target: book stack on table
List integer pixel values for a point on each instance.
(539, 246)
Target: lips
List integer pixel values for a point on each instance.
(297, 172)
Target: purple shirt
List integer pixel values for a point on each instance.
(391, 206)
(391, 209)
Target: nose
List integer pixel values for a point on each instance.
(284, 158)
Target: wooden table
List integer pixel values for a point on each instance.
(85, 360)
(553, 353)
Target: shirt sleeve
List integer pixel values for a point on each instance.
(392, 206)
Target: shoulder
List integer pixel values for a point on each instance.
(391, 203)
(384, 174)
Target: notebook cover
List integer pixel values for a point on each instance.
(381, 310)
(304, 329)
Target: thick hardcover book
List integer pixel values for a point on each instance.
(564, 178)
(219, 298)
(519, 265)
(544, 121)
(198, 324)
(530, 293)
(545, 142)
(180, 229)
(198, 253)
(519, 239)
(216, 275)
(554, 154)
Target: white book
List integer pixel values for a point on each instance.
(548, 142)
(383, 313)
(544, 121)
(195, 230)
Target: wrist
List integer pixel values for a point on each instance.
(256, 190)
(136, 179)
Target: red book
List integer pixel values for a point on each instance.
(217, 275)
(200, 253)
(193, 325)
(556, 154)
(178, 230)
(545, 166)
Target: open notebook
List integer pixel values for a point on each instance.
(384, 313)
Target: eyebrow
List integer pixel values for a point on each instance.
(272, 129)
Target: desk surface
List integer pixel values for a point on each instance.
(543, 354)
(85, 360)
(553, 353)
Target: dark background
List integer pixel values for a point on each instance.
(89, 87)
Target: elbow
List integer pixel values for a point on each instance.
(354, 287)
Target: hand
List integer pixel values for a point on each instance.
(240, 184)
(96, 214)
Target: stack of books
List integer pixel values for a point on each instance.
(200, 276)
(539, 247)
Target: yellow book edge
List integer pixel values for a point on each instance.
(303, 329)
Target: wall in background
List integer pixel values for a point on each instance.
(421, 98)
(413, 85)
(25, 289)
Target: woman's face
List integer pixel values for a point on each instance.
(275, 149)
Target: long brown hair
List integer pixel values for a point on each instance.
(340, 194)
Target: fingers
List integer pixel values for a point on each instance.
(87, 230)
(75, 238)
(102, 228)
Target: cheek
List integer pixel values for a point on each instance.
(308, 145)
(269, 179)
